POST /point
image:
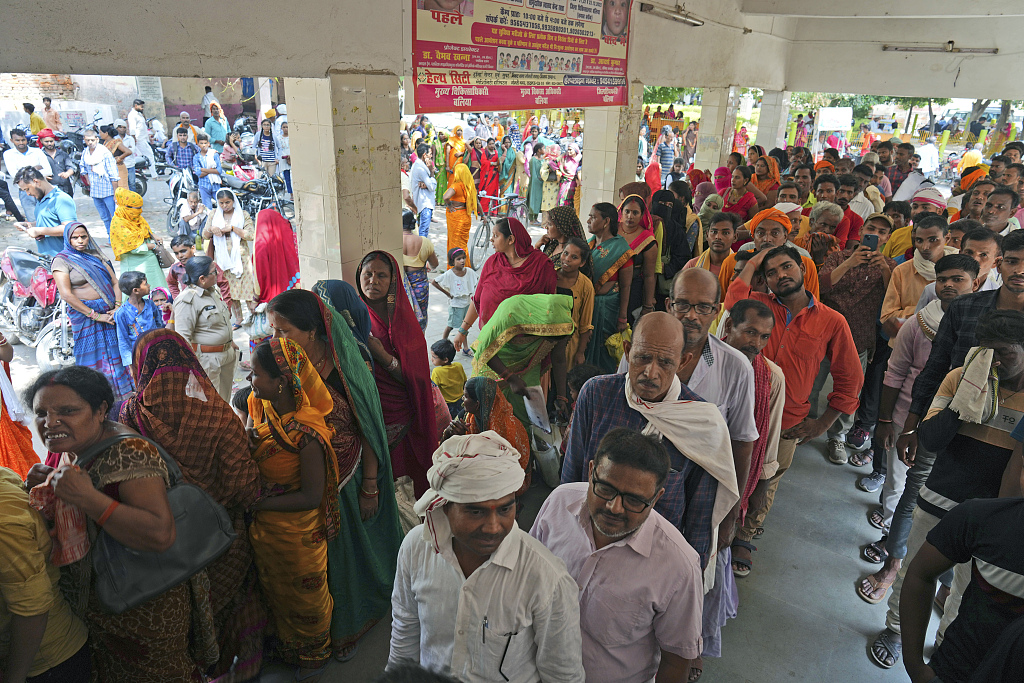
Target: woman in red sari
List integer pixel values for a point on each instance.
(488, 173)
(275, 261)
(636, 226)
(400, 368)
(515, 268)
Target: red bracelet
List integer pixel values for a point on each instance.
(106, 513)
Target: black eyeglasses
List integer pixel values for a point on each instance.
(606, 491)
(680, 306)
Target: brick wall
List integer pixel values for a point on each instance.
(32, 87)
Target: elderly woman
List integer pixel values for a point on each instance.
(132, 240)
(176, 405)
(87, 284)
(229, 233)
(400, 368)
(821, 240)
(362, 560)
(123, 490)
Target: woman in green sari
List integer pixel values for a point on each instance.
(613, 276)
(536, 182)
(362, 559)
(525, 336)
(437, 142)
(507, 167)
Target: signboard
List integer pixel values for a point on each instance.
(488, 55)
(834, 118)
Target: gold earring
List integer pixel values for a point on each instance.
(279, 388)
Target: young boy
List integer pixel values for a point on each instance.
(449, 377)
(193, 216)
(137, 317)
(458, 284)
(184, 249)
(206, 165)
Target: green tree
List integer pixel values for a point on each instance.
(661, 95)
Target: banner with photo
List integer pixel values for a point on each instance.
(492, 55)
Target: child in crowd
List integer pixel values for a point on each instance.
(449, 377)
(574, 380)
(193, 215)
(458, 284)
(136, 317)
(161, 298)
(184, 248)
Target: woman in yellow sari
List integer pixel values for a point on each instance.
(460, 202)
(132, 239)
(292, 447)
(455, 152)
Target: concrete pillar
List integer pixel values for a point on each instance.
(610, 145)
(345, 171)
(772, 126)
(717, 126)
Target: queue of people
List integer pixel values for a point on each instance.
(684, 378)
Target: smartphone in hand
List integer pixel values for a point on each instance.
(869, 241)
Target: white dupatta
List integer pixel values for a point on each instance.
(227, 249)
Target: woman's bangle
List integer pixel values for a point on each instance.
(394, 363)
(648, 307)
(912, 431)
(463, 331)
(92, 314)
(505, 375)
(364, 494)
(885, 421)
(106, 513)
(623, 320)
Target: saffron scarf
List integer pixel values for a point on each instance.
(464, 176)
(128, 229)
(499, 280)
(773, 178)
(90, 263)
(312, 405)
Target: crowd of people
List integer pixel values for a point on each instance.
(678, 347)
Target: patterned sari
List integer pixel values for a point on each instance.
(177, 406)
(290, 548)
(363, 559)
(522, 333)
(495, 413)
(608, 258)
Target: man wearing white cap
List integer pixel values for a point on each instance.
(474, 594)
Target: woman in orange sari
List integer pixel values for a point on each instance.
(16, 452)
(767, 179)
(460, 202)
(455, 152)
(487, 409)
(291, 445)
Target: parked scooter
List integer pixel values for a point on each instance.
(31, 310)
(179, 185)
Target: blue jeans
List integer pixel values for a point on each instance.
(899, 528)
(208, 196)
(425, 217)
(131, 179)
(105, 206)
(28, 205)
(288, 179)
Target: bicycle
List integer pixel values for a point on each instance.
(511, 206)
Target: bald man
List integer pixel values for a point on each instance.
(649, 396)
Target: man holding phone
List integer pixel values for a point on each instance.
(854, 281)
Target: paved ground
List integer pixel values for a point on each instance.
(799, 619)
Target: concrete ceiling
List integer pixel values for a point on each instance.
(885, 9)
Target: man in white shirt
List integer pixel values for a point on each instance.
(19, 156)
(423, 187)
(640, 582)
(475, 595)
(208, 99)
(929, 154)
(722, 375)
(138, 129)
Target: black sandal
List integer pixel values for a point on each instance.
(744, 565)
(875, 553)
(892, 649)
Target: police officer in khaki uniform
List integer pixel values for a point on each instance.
(203, 319)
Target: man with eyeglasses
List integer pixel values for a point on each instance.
(806, 332)
(475, 596)
(639, 581)
(701, 488)
(722, 375)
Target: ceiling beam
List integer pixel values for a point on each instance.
(885, 9)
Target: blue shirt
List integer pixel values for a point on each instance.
(131, 323)
(54, 209)
(205, 182)
(690, 491)
(181, 157)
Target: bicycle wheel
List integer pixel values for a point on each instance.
(480, 246)
(520, 213)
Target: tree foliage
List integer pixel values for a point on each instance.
(660, 95)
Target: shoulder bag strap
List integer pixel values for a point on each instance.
(173, 471)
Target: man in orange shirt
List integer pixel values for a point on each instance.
(806, 332)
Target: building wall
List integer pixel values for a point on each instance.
(33, 87)
(186, 94)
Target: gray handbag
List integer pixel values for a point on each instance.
(126, 578)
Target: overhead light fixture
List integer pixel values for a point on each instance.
(676, 14)
(948, 47)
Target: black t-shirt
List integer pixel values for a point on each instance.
(988, 534)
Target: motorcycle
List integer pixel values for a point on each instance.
(179, 185)
(31, 310)
(141, 185)
(262, 192)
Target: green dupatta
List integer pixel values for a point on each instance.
(608, 258)
(522, 332)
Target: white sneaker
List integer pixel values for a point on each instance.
(836, 451)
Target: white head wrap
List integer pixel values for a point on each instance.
(467, 469)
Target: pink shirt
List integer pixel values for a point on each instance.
(909, 354)
(638, 596)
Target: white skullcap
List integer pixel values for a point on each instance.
(787, 207)
(467, 469)
(120, 122)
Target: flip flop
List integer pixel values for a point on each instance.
(891, 647)
(759, 532)
(875, 585)
(875, 519)
(347, 657)
(695, 674)
(861, 459)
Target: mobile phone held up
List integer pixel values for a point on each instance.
(869, 241)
